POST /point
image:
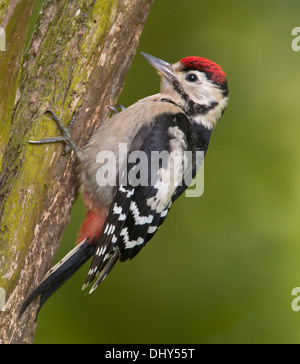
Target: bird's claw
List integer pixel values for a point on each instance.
(114, 108)
(66, 138)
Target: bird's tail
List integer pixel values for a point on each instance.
(60, 273)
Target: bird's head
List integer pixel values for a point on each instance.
(196, 84)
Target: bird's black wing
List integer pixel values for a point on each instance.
(144, 197)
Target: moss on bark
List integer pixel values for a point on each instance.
(78, 58)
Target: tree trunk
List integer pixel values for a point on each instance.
(77, 60)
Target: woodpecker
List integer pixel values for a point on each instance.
(123, 216)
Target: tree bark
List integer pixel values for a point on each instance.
(14, 18)
(77, 60)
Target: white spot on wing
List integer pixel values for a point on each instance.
(117, 209)
(130, 243)
(164, 213)
(122, 217)
(139, 220)
(152, 229)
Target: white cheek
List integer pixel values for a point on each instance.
(202, 92)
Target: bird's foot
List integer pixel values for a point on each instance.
(66, 138)
(114, 108)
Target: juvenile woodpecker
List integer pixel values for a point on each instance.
(122, 216)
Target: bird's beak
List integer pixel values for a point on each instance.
(161, 66)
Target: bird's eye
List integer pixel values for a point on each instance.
(191, 77)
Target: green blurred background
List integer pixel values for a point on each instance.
(222, 267)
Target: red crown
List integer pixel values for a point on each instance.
(215, 72)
